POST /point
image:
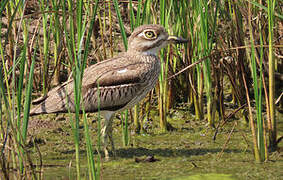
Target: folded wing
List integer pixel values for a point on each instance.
(108, 85)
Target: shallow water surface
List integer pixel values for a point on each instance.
(211, 176)
(187, 153)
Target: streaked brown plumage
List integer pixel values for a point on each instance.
(123, 80)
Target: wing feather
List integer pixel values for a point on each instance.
(114, 78)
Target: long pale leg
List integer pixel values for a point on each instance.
(109, 134)
(106, 132)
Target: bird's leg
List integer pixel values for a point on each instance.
(104, 139)
(111, 138)
(106, 132)
(104, 135)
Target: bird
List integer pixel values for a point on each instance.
(118, 83)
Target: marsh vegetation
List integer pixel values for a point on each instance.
(216, 110)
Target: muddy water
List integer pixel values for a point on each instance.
(187, 153)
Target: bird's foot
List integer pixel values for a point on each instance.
(109, 155)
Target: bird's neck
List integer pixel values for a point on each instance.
(149, 52)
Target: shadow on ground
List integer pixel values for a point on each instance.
(133, 152)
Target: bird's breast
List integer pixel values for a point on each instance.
(149, 76)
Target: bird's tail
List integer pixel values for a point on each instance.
(53, 102)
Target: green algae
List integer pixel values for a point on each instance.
(187, 153)
(211, 176)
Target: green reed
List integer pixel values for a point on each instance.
(205, 51)
(271, 80)
(93, 174)
(22, 64)
(163, 74)
(98, 172)
(3, 97)
(121, 25)
(57, 39)
(75, 62)
(12, 95)
(78, 61)
(132, 15)
(197, 20)
(125, 42)
(135, 22)
(260, 146)
(45, 59)
(197, 72)
(27, 102)
(133, 26)
(258, 97)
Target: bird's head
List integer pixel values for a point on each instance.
(150, 38)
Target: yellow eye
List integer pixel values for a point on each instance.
(150, 34)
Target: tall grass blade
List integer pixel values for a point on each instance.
(90, 157)
(132, 15)
(258, 97)
(144, 13)
(162, 81)
(123, 32)
(45, 7)
(125, 42)
(271, 66)
(262, 85)
(91, 163)
(28, 98)
(138, 18)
